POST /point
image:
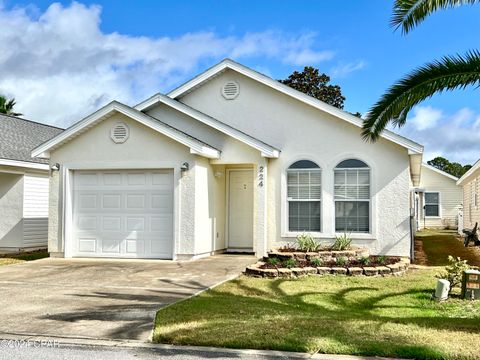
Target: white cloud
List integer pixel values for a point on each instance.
(343, 70)
(454, 136)
(425, 117)
(60, 66)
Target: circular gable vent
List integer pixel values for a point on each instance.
(230, 90)
(119, 133)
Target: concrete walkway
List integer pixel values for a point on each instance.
(102, 299)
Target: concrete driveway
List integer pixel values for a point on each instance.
(102, 299)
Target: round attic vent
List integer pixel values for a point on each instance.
(119, 133)
(230, 90)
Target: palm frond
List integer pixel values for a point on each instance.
(409, 13)
(7, 105)
(449, 73)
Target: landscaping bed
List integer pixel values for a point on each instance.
(353, 262)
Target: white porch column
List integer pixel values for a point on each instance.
(260, 208)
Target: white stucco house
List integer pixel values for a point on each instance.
(232, 160)
(438, 199)
(23, 184)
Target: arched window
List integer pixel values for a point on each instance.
(304, 195)
(352, 196)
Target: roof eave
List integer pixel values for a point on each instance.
(23, 164)
(438, 171)
(469, 173)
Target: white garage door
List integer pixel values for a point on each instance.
(123, 214)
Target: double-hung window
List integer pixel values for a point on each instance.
(304, 196)
(432, 204)
(352, 196)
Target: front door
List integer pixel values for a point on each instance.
(240, 210)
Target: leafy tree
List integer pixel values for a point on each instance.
(448, 73)
(456, 169)
(439, 162)
(453, 168)
(7, 105)
(312, 83)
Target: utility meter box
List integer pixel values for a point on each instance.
(471, 284)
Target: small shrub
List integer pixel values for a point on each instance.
(365, 260)
(316, 262)
(290, 263)
(454, 271)
(342, 242)
(306, 242)
(273, 261)
(382, 260)
(341, 261)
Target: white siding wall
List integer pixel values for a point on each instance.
(450, 199)
(35, 210)
(471, 198)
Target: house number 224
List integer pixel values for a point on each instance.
(260, 176)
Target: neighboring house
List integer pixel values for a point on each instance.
(23, 184)
(470, 184)
(438, 199)
(231, 160)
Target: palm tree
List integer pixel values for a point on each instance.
(6, 106)
(448, 73)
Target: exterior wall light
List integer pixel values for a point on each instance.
(55, 167)
(185, 166)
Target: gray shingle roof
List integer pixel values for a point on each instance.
(18, 137)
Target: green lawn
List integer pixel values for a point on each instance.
(438, 244)
(9, 259)
(391, 316)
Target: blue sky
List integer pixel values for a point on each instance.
(349, 40)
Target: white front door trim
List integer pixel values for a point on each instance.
(67, 194)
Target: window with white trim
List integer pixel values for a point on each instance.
(432, 204)
(352, 196)
(304, 196)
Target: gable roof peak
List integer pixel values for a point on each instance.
(215, 70)
(196, 146)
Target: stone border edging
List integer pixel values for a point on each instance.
(325, 255)
(397, 269)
